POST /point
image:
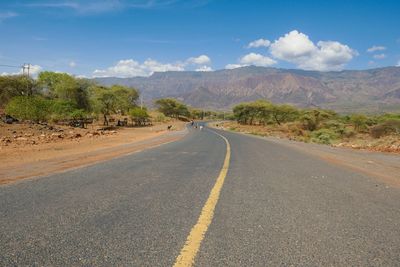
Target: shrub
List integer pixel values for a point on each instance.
(359, 121)
(29, 108)
(385, 128)
(78, 114)
(324, 136)
(139, 115)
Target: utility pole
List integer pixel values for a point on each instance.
(26, 66)
(23, 69)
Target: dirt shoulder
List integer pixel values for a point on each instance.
(381, 165)
(36, 150)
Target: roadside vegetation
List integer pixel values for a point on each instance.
(376, 132)
(63, 99)
(173, 108)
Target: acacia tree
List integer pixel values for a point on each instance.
(283, 113)
(103, 101)
(247, 113)
(312, 119)
(126, 98)
(171, 107)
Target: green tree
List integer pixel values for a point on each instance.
(126, 98)
(103, 101)
(312, 119)
(65, 87)
(249, 113)
(172, 108)
(16, 85)
(283, 113)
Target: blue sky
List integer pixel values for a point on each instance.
(135, 38)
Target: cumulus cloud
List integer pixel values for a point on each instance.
(296, 47)
(131, 68)
(234, 66)
(256, 60)
(379, 56)
(376, 48)
(200, 60)
(292, 46)
(204, 68)
(259, 43)
(72, 64)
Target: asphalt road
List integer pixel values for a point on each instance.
(277, 207)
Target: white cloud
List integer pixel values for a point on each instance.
(234, 66)
(376, 48)
(204, 68)
(80, 7)
(256, 60)
(379, 56)
(131, 68)
(33, 71)
(7, 15)
(87, 7)
(398, 64)
(297, 48)
(72, 64)
(292, 46)
(259, 43)
(200, 60)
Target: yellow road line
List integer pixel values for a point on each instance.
(193, 242)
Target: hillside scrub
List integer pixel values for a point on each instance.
(319, 126)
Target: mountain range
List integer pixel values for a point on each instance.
(373, 90)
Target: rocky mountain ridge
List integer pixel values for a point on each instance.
(374, 90)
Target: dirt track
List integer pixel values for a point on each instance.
(23, 161)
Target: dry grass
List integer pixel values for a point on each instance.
(294, 131)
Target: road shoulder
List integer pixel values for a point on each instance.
(382, 166)
(42, 162)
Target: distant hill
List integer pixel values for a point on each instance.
(373, 90)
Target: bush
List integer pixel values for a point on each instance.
(78, 114)
(323, 136)
(61, 109)
(385, 128)
(359, 121)
(139, 115)
(29, 108)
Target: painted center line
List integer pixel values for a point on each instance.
(196, 236)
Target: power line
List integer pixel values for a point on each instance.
(9, 66)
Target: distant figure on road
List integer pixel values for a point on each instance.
(201, 127)
(192, 123)
(169, 127)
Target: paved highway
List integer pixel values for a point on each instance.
(205, 200)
